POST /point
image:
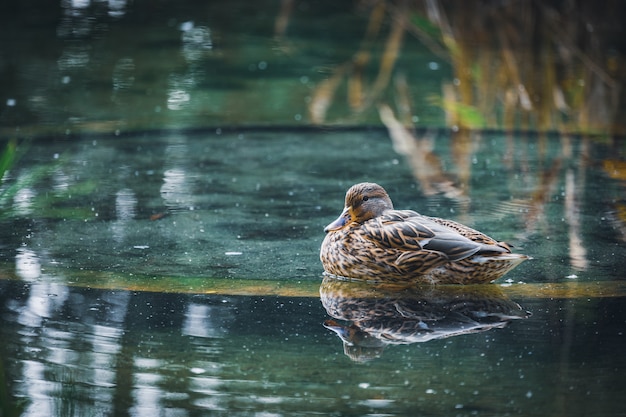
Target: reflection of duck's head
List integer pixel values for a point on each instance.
(357, 344)
(371, 240)
(381, 315)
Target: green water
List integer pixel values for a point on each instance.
(225, 212)
(166, 174)
(183, 65)
(253, 204)
(74, 351)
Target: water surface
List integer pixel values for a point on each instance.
(167, 169)
(76, 351)
(178, 271)
(252, 204)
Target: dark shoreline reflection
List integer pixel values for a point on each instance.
(381, 315)
(79, 351)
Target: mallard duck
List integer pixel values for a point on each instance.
(372, 241)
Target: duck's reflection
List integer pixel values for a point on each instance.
(381, 315)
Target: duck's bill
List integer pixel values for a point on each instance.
(340, 222)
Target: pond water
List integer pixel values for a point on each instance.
(78, 351)
(178, 271)
(167, 170)
(252, 204)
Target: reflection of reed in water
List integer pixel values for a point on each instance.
(425, 164)
(616, 213)
(384, 315)
(528, 65)
(533, 69)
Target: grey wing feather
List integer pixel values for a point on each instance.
(443, 239)
(455, 246)
(448, 240)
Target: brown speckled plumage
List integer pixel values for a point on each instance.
(372, 241)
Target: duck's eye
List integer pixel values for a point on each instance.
(365, 198)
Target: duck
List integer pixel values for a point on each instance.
(372, 241)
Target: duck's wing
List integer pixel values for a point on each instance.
(469, 233)
(409, 231)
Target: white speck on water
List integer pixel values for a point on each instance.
(233, 253)
(11, 102)
(572, 276)
(186, 26)
(433, 65)
(364, 385)
(141, 247)
(430, 391)
(529, 394)
(197, 371)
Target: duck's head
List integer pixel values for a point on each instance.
(364, 201)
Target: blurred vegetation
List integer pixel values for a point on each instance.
(529, 65)
(46, 204)
(8, 156)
